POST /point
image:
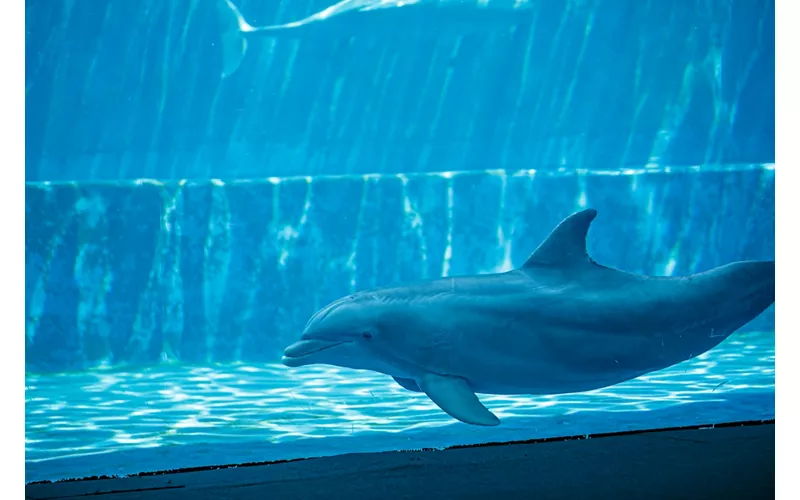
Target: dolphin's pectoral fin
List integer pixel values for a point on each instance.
(408, 384)
(455, 397)
(566, 244)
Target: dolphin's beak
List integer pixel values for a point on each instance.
(294, 354)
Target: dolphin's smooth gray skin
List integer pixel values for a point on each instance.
(374, 16)
(559, 324)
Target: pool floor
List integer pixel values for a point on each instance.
(118, 422)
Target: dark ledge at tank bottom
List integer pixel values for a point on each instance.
(728, 461)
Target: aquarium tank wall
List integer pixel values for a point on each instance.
(202, 176)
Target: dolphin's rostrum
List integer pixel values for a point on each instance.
(561, 323)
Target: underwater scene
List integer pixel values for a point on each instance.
(261, 230)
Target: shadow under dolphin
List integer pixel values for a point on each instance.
(560, 323)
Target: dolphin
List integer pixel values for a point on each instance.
(375, 17)
(561, 323)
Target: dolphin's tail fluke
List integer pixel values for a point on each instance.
(233, 26)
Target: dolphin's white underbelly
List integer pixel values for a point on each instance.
(548, 358)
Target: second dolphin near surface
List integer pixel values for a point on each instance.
(377, 17)
(561, 323)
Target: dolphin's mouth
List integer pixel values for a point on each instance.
(295, 354)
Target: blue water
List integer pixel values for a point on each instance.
(126, 90)
(182, 227)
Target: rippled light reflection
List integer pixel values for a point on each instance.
(74, 415)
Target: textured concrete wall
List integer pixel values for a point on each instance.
(126, 89)
(214, 271)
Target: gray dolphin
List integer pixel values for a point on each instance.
(375, 17)
(559, 324)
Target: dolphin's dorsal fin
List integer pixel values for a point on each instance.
(566, 244)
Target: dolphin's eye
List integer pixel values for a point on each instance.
(366, 335)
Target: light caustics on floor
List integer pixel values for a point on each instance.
(76, 422)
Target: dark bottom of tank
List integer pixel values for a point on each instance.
(733, 462)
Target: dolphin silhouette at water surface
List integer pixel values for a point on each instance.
(561, 323)
(374, 16)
